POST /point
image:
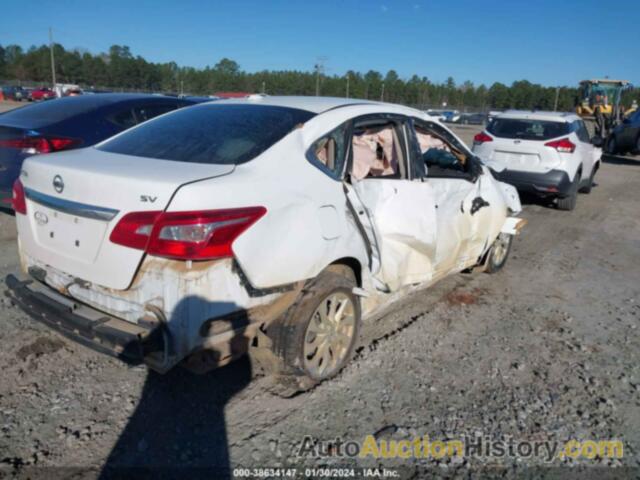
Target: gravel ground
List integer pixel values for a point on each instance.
(545, 350)
(10, 105)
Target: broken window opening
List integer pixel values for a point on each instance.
(329, 152)
(442, 157)
(377, 151)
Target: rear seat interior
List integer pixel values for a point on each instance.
(376, 152)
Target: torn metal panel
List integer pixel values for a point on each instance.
(185, 296)
(513, 225)
(510, 196)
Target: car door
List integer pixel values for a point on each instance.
(392, 203)
(463, 198)
(628, 136)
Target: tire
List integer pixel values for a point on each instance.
(587, 188)
(295, 336)
(612, 145)
(568, 203)
(499, 253)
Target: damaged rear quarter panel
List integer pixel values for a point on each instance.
(294, 241)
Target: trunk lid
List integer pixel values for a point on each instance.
(75, 199)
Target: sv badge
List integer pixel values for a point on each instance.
(147, 199)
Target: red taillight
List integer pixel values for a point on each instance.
(62, 143)
(19, 201)
(35, 145)
(563, 146)
(205, 235)
(482, 138)
(134, 229)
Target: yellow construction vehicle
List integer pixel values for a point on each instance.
(599, 101)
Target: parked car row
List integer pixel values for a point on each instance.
(454, 116)
(469, 119)
(17, 94)
(267, 225)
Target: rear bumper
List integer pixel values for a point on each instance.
(129, 342)
(554, 182)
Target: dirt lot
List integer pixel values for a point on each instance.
(548, 349)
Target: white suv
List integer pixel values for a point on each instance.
(546, 153)
(270, 224)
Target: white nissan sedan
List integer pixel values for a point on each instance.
(274, 226)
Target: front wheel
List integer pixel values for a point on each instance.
(499, 253)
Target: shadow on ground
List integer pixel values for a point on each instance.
(621, 160)
(532, 199)
(178, 427)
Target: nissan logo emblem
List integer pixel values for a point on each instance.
(58, 184)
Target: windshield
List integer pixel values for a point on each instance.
(527, 129)
(215, 133)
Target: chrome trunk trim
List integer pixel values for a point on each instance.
(70, 207)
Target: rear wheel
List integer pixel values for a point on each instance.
(499, 253)
(569, 202)
(587, 188)
(316, 337)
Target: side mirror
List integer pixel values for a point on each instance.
(597, 141)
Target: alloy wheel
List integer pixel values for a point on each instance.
(329, 335)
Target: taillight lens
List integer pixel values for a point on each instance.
(37, 145)
(563, 146)
(134, 229)
(19, 202)
(201, 235)
(482, 138)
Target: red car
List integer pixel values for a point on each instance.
(42, 94)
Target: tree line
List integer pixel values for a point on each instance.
(119, 69)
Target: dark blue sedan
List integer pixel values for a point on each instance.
(69, 123)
